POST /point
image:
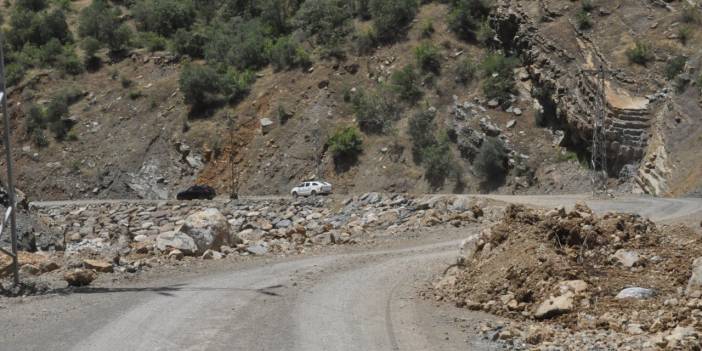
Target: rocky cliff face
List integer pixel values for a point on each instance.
(560, 59)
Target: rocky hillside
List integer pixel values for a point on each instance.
(139, 99)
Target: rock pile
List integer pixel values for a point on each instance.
(129, 236)
(582, 272)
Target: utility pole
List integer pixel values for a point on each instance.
(10, 180)
(598, 160)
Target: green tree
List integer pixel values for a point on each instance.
(391, 16)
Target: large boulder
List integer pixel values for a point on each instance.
(695, 282)
(209, 229)
(176, 240)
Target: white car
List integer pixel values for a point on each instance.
(311, 188)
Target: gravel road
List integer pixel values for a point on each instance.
(337, 301)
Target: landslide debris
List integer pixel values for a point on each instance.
(579, 272)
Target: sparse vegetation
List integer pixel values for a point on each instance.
(405, 82)
(201, 85)
(438, 162)
(491, 162)
(286, 54)
(365, 41)
(684, 34)
(346, 143)
(375, 111)
(583, 20)
(428, 57)
(467, 16)
(675, 66)
(640, 53)
(163, 17)
(587, 6)
(390, 17)
(690, 13)
(328, 21)
(421, 131)
(465, 71)
(498, 75)
(427, 29)
(101, 21)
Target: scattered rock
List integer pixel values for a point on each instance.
(695, 282)
(636, 293)
(176, 240)
(208, 228)
(79, 277)
(212, 255)
(555, 306)
(98, 265)
(627, 258)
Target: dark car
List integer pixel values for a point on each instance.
(197, 192)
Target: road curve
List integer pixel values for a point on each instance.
(356, 301)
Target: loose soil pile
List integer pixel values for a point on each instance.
(568, 267)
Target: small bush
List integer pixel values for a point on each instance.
(56, 111)
(390, 17)
(467, 16)
(365, 42)
(684, 34)
(152, 41)
(405, 83)
(640, 53)
(32, 5)
(465, 71)
(674, 67)
(69, 63)
(235, 84)
(163, 17)
(421, 131)
(34, 119)
(14, 73)
(491, 162)
(375, 111)
(428, 57)
(583, 20)
(286, 54)
(587, 6)
(438, 162)
(238, 43)
(39, 138)
(189, 43)
(326, 20)
(135, 94)
(690, 14)
(427, 29)
(283, 115)
(499, 76)
(346, 143)
(126, 82)
(102, 21)
(201, 85)
(361, 9)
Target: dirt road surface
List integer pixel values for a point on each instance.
(336, 301)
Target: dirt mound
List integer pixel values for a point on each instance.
(569, 268)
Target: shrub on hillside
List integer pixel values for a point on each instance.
(587, 5)
(428, 57)
(375, 111)
(466, 17)
(236, 84)
(37, 28)
(640, 53)
(102, 21)
(438, 162)
(328, 21)
(491, 162)
(277, 14)
(90, 48)
(674, 67)
(201, 85)
(286, 54)
(239, 43)
(152, 41)
(421, 132)
(13, 74)
(189, 43)
(361, 9)
(684, 34)
(32, 5)
(346, 143)
(583, 20)
(406, 82)
(164, 17)
(690, 13)
(391, 16)
(465, 71)
(498, 72)
(365, 41)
